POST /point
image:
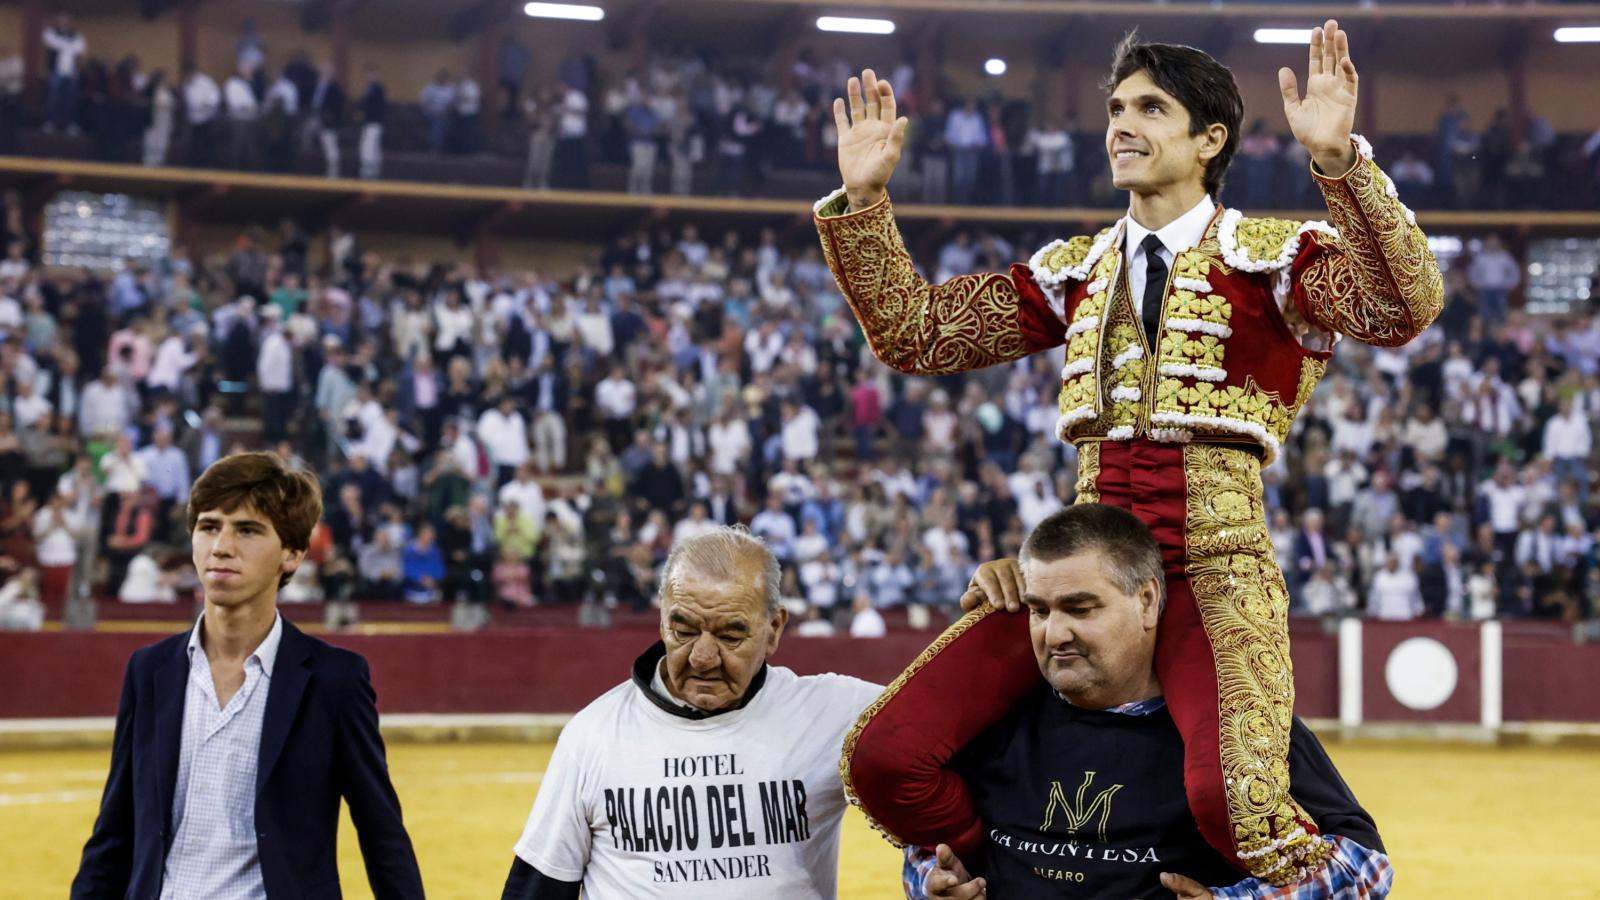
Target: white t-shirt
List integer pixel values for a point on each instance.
(639, 802)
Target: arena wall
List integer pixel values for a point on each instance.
(560, 669)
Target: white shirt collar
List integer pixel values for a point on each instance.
(266, 653)
(1180, 234)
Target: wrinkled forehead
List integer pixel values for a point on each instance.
(702, 603)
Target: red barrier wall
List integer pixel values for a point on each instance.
(61, 674)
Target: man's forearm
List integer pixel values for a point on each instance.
(969, 322)
(1384, 287)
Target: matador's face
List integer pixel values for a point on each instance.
(1148, 142)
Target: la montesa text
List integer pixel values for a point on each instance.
(1075, 849)
(693, 815)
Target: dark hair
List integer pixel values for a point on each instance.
(1204, 86)
(290, 498)
(1132, 555)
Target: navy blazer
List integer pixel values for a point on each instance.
(319, 742)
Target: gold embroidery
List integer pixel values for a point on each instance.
(1185, 304)
(1194, 350)
(966, 323)
(1068, 255)
(853, 736)
(1311, 371)
(1378, 282)
(1244, 606)
(1088, 489)
(1263, 240)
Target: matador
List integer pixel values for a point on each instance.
(1193, 335)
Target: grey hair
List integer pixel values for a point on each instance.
(715, 555)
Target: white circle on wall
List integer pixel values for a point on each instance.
(1421, 673)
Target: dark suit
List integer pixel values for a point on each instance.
(319, 742)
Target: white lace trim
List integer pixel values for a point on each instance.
(1078, 272)
(1187, 370)
(1087, 323)
(1096, 286)
(1364, 151)
(1198, 285)
(1122, 392)
(1172, 435)
(1185, 422)
(816, 208)
(1201, 326)
(1077, 367)
(1128, 355)
(1071, 418)
(1121, 433)
(1275, 845)
(1228, 239)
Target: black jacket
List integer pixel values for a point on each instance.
(319, 743)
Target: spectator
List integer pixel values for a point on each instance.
(423, 568)
(541, 115)
(464, 127)
(1395, 592)
(1413, 178)
(1567, 443)
(66, 47)
(374, 113)
(1494, 274)
(161, 105)
(572, 132)
(1258, 151)
(12, 79)
(643, 129)
(327, 107)
(239, 101)
(438, 98)
(504, 434)
(865, 620)
(967, 136)
(201, 102)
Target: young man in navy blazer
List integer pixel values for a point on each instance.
(236, 740)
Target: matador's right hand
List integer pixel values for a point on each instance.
(870, 139)
(997, 583)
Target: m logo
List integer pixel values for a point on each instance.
(1077, 814)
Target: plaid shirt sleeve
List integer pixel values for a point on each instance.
(1353, 873)
(914, 875)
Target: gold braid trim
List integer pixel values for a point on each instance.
(1377, 282)
(948, 637)
(966, 323)
(1088, 472)
(1244, 606)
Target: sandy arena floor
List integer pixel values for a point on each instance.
(1460, 822)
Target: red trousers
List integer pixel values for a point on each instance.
(1222, 655)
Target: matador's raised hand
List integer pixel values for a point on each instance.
(1323, 119)
(870, 139)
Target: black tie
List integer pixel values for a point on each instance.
(1155, 286)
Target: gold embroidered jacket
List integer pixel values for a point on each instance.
(1228, 365)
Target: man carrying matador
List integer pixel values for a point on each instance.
(1193, 336)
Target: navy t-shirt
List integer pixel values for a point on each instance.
(1085, 803)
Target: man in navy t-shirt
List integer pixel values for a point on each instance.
(1080, 787)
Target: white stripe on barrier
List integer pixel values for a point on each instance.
(1350, 672)
(1490, 677)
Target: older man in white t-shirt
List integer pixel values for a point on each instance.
(710, 774)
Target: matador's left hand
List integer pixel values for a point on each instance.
(1323, 119)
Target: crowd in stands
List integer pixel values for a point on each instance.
(508, 437)
(689, 121)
